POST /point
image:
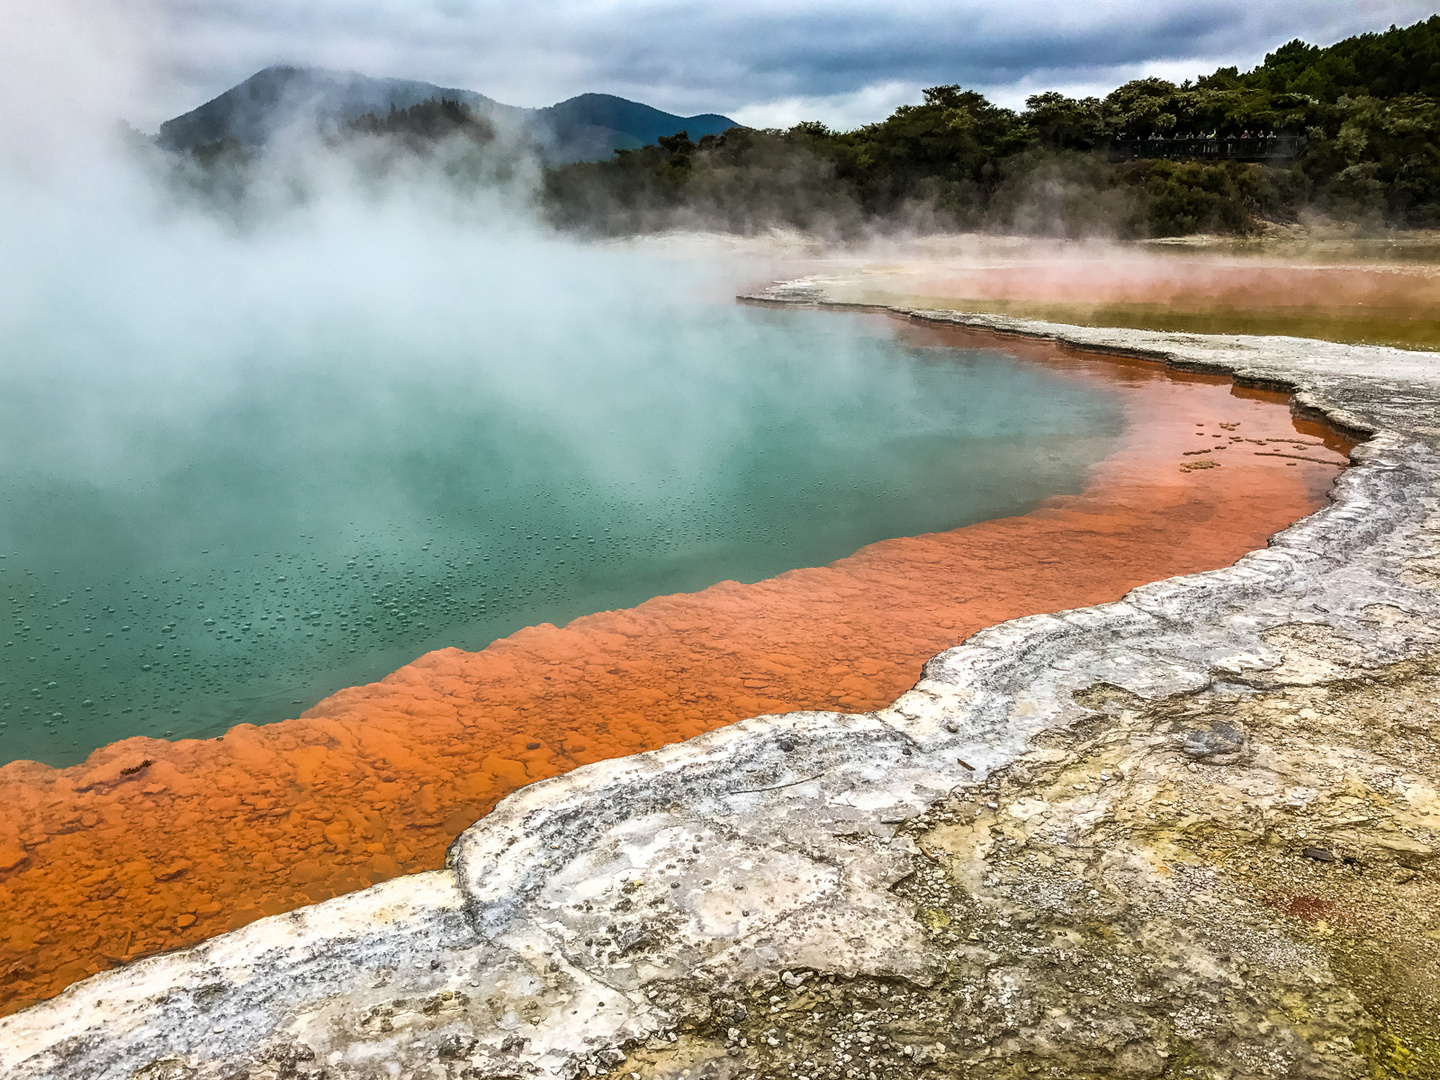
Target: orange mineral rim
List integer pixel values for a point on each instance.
(149, 845)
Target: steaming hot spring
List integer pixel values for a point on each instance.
(316, 543)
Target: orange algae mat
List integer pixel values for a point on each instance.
(151, 845)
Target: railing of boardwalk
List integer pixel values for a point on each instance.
(1267, 146)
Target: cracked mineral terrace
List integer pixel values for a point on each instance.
(1192, 833)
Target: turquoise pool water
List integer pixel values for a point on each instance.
(231, 534)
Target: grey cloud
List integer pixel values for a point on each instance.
(691, 57)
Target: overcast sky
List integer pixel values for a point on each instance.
(763, 62)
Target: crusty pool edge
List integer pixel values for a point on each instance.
(542, 912)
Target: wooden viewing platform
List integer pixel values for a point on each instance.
(1266, 147)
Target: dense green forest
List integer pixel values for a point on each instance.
(421, 125)
(1350, 131)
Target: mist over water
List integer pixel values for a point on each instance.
(244, 467)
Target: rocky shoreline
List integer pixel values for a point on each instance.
(1190, 833)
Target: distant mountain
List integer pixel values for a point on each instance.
(584, 128)
(627, 124)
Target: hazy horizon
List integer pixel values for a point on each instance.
(761, 65)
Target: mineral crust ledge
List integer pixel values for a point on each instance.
(1189, 834)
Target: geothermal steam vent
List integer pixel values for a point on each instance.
(378, 780)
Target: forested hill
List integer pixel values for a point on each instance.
(1351, 130)
(1401, 60)
(288, 98)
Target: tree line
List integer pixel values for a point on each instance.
(1360, 122)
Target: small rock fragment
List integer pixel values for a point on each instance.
(1220, 744)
